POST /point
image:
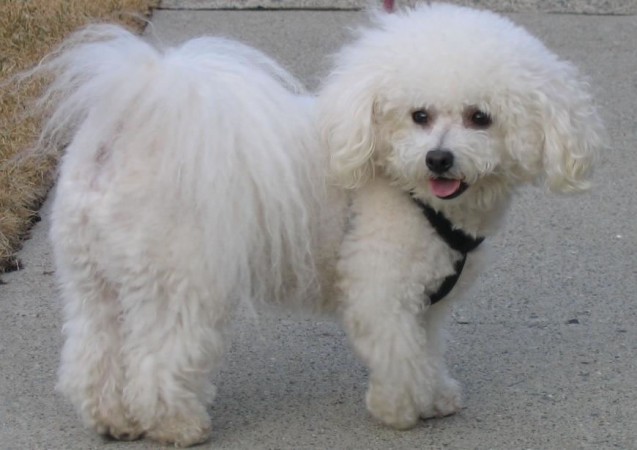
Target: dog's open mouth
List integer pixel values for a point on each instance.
(447, 188)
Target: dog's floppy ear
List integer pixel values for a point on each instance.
(566, 128)
(346, 116)
(573, 132)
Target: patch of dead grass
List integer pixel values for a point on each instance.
(30, 29)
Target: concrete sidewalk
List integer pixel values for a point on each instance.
(546, 6)
(546, 349)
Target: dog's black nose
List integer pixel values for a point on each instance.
(439, 161)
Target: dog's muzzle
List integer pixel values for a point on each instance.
(439, 162)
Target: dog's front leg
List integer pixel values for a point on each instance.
(383, 305)
(392, 344)
(447, 391)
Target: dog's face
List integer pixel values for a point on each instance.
(455, 104)
(442, 150)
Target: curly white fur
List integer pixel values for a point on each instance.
(197, 177)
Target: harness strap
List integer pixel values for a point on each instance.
(456, 239)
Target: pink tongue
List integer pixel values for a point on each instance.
(443, 187)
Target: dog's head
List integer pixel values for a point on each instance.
(447, 100)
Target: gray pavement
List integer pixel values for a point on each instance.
(546, 6)
(546, 348)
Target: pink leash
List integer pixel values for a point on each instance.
(388, 5)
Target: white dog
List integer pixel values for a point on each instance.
(200, 176)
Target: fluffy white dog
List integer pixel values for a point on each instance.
(200, 176)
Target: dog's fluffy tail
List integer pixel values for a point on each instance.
(230, 128)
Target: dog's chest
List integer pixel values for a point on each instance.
(390, 246)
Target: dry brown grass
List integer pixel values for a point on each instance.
(29, 29)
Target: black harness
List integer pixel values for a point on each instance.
(456, 239)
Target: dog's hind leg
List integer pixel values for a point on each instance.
(91, 374)
(173, 340)
(91, 371)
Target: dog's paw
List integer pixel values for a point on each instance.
(109, 418)
(181, 430)
(119, 429)
(130, 433)
(392, 406)
(447, 400)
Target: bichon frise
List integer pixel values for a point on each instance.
(200, 176)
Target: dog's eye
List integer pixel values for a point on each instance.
(420, 117)
(480, 119)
